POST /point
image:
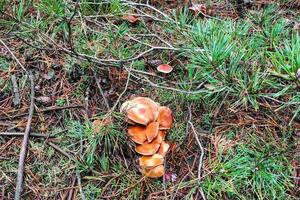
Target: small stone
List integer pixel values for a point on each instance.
(44, 100)
(154, 63)
(298, 73)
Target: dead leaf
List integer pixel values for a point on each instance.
(99, 123)
(170, 177)
(130, 18)
(296, 27)
(198, 8)
(49, 75)
(262, 3)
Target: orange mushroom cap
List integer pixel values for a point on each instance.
(140, 110)
(147, 148)
(164, 68)
(150, 148)
(136, 136)
(165, 118)
(155, 172)
(161, 136)
(151, 161)
(148, 132)
(163, 149)
(152, 131)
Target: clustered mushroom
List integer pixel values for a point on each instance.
(149, 124)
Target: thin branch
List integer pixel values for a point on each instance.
(70, 26)
(53, 108)
(16, 94)
(101, 91)
(13, 55)
(19, 134)
(57, 148)
(200, 147)
(125, 89)
(23, 152)
(80, 186)
(150, 7)
(146, 79)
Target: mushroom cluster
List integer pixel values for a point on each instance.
(149, 124)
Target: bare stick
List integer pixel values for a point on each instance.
(13, 55)
(200, 146)
(18, 134)
(57, 148)
(80, 186)
(125, 89)
(16, 97)
(53, 108)
(23, 152)
(146, 79)
(101, 91)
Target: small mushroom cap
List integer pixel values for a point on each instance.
(140, 110)
(155, 172)
(165, 118)
(164, 68)
(147, 149)
(164, 148)
(151, 161)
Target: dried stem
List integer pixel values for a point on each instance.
(101, 91)
(125, 89)
(18, 134)
(24, 148)
(80, 186)
(53, 108)
(200, 147)
(13, 55)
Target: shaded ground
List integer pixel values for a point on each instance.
(235, 79)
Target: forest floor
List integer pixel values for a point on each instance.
(234, 92)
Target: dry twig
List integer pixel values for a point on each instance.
(53, 108)
(125, 89)
(19, 134)
(101, 91)
(200, 147)
(80, 186)
(13, 55)
(23, 152)
(16, 94)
